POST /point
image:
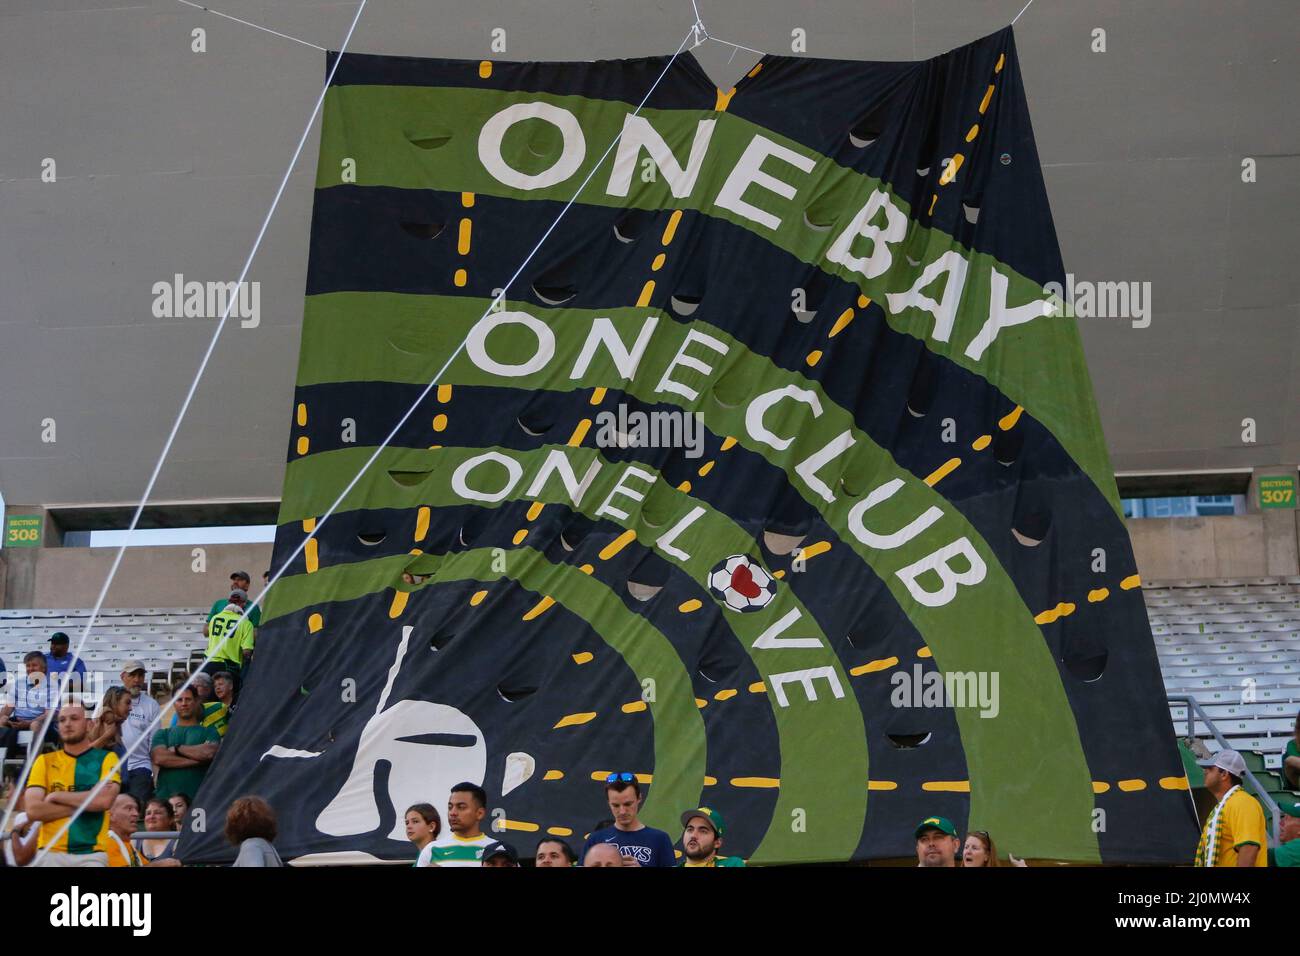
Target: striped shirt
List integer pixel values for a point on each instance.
(60, 771)
(453, 850)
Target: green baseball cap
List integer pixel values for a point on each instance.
(942, 824)
(1289, 807)
(713, 816)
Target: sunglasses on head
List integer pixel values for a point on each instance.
(623, 777)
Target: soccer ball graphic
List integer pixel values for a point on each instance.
(741, 584)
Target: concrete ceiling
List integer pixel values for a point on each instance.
(168, 159)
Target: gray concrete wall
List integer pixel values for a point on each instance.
(148, 577)
(1231, 546)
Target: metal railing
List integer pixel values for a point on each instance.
(1196, 713)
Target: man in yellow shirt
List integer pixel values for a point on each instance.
(59, 784)
(122, 821)
(1235, 833)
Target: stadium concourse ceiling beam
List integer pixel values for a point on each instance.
(1177, 484)
(216, 514)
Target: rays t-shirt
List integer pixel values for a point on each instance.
(648, 846)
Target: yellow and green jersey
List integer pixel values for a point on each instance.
(229, 634)
(60, 771)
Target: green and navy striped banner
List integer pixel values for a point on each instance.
(878, 572)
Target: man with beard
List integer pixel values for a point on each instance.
(702, 839)
(138, 780)
(464, 842)
(936, 842)
(60, 783)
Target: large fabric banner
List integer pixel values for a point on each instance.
(775, 476)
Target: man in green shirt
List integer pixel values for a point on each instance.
(702, 839)
(1288, 853)
(239, 581)
(230, 639)
(183, 752)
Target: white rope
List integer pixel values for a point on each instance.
(500, 296)
(1022, 10)
(34, 747)
(249, 23)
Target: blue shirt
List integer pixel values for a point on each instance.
(650, 847)
(57, 665)
(31, 699)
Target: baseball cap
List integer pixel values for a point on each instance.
(713, 816)
(1228, 760)
(942, 824)
(239, 592)
(58, 637)
(131, 665)
(500, 848)
(1289, 807)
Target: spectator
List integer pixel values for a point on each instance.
(1235, 833)
(230, 638)
(250, 825)
(182, 753)
(464, 844)
(239, 581)
(213, 712)
(33, 703)
(122, 820)
(602, 854)
(180, 804)
(500, 854)
(422, 827)
(979, 850)
(554, 852)
(1291, 758)
(702, 839)
(1287, 853)
(158, 818)
(936, 842)
(60, 782)
(58, 661)
(106, 728)
(139, 763)
(20, 841)
(640, 845)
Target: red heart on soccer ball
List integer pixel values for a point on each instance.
(742, 580)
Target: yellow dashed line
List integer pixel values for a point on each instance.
(1064, 609)
(421, 523)
(1132, 786)
(477, 598)
(841, 323)
(686, 607)
(701, 703)
(460, 278)
(872, 667)
(579, 433)
(539, 608)
(1098, 594)
(573, 720)
(534, 510)
(684, 487)
(754, 71)
(302, 414)
(671, 229)
(758, 687)
(618, 544)
(814, 357)
(444, 394)
(1100, 786)
(467, 200)
(984, 104)
(303, 444)
(310, 554)
(950, 171)
(485, 69)
(520, 535)
(779, 574)
(760, 782)
(598, 394)
(728, 443)
(725, 694)
(710, 781)
(553, 775)
(705, 469)
(462, 240)
(398, 605)
(1002, 58)
(724, 100)
(559, 831)
(647, 291)
(519, 825)
(658, 263)
(1008, 421)
(814, 549)
(309, 525)
(982, 442)
(933, 199)
(863, 301)
(440, 423)
(925, 652)
(1174, 783)
(635, 707)
(936, 476)
(974, 131)
(315, 623)
(946, 786)
(587, 569)
(1131, 582)
(882, 785)
(583, 657)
